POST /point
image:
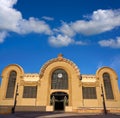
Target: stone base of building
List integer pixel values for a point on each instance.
(114, 110)
(88, 110)
(96, 110)
(49, 108)
(68, 109)
(30, 108)
(8, 109)
(5, 109)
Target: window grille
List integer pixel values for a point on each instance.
(107, 86)
(30, 92)
(11, 84)
(59, 79)
(89, 92)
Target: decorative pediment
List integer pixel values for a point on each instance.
(59, 59)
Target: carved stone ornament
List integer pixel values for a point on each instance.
(22, 83)
(89, 84)
(59, 58)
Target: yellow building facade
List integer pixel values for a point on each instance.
(59, 87)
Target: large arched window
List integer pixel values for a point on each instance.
(59, 79)
(107, 86)
(11, 84)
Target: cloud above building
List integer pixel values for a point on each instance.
(11, 20)
(112, 43)
(3, 35)
(33, 25)
(60, 40)
(100, 21)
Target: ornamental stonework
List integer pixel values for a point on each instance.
(31, 77)
(59, 59)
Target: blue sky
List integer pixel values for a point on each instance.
(86, 32)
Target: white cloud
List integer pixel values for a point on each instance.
(33, 25)
(11, 20)
(60, 40)
(101, 21)
(8, 3)
(113, 43)
(64, 40)
(47, 18)
(66, 30)
(9, 17)
(3, 35)
(64, 36)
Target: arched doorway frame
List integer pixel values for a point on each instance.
(50, 91)
(59, 100)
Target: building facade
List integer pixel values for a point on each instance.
(59, 86)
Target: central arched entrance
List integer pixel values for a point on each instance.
(59, 100)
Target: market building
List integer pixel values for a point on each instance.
(59, 86)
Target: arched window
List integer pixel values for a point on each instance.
(11, 84)
(59, 79)
(107, 86)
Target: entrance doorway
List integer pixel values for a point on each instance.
(59, 106)
(59, 100)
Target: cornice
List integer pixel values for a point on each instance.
(31, 75)
(88, 76)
